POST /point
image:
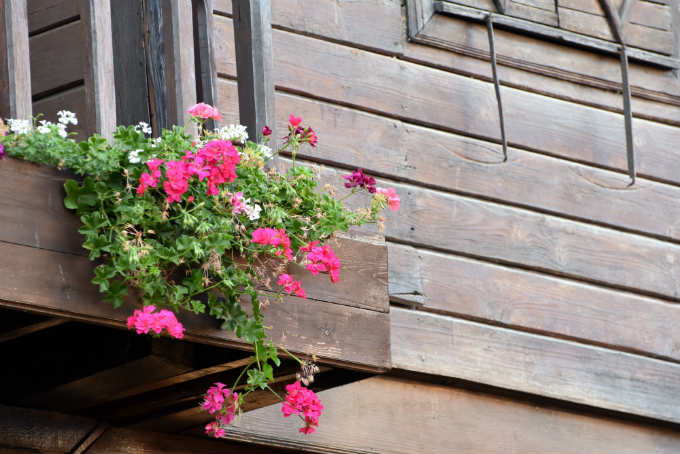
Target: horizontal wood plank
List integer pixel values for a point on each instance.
(44, 14)
(456, 285)
(36, 217)
(440, 345)
(391, 415)
(453, 102)
(74, 100)
(337, 334)
(353, 22)
(470, 166)
(58, 57)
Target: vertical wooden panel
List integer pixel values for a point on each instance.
(15, 80)
(181, 69)
(99, 87)
(254, 62)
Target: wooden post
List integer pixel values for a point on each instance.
(15, 77)
(99, 84)
(254, 63)
(183, 62)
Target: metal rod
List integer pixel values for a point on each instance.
(628, 115)
(496, 84)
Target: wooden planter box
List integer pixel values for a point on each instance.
(45, 270)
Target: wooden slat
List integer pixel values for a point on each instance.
(466, 165)
(45, 14)
(101, 93)
(36, 217)
(384, 411)
(29, 329)
(15, 67)
(515, 236)
(352, 22)
(449, 101)
(58, 58)
(484, 291)
(74, 100)
(529, 12)
(183, 71)
(337, 334)
(641, 12)
(96, 389)
(440, 345)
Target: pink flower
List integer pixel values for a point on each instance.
(203, 110)
(357, 178)
(322, 259)
(294, 121)
(222, 401)
(266, 131)
(3, 152)
(310, 137)
(146, 181)
(272, 237)
(391, 197)
(237, 202)
(146, 320)
(291, 286)
(304, 402)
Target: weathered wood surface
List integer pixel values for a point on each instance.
(337, 334)
(73, 100)
(30, 329)
(101, 93)
(525, 300)
(15, 68)
(385, 414)
(182, 78)
(95, 389)
(37, 217)
(640, 12)
(352, 22)
(441, 345)
(470, 166)
(456, 103)
(24, 430)
(46, 14)
(51, 69)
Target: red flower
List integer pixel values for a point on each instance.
(294, 121)
(291, 286)
(304, 402)
(266, 131)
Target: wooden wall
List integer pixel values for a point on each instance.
(547, 274)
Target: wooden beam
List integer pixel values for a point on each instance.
(34, 328)
(387, 414)
(155, 64)
(254, 63)
(100, 89)
(540, 365)
(15, 68)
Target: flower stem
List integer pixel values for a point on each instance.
(242, 372)
(290, 354)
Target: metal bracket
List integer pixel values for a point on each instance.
(496, 83)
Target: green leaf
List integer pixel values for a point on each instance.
(116, 293)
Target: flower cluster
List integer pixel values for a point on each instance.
(391, 197)
(359, 179)
(219, 400)
(276, 238)
(205, 111)
(322, 258)
(233, 133)
(146, 320)
(216, 161)
(243, 205)
(291, 286)
(304, 402)
(301, 133)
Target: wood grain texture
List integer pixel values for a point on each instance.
(183, 69)
(516, 236)
(16, 68)
(470, 166)
(449, 419)
(459, 286)
(52, 69)
(37, 217)
(351, 22)
(337, 334)
(440, 345)
(74, 100)
(46, 14)
(457, 103)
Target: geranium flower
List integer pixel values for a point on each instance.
(203, 110)
(391, 197)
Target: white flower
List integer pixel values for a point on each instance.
(266, 151)
(134, 158)
(44, 127)
(253, 212)
(233, 133)
(156, 141)
(143, 127)
(66, 117)
(62, 130)
(19, 126)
